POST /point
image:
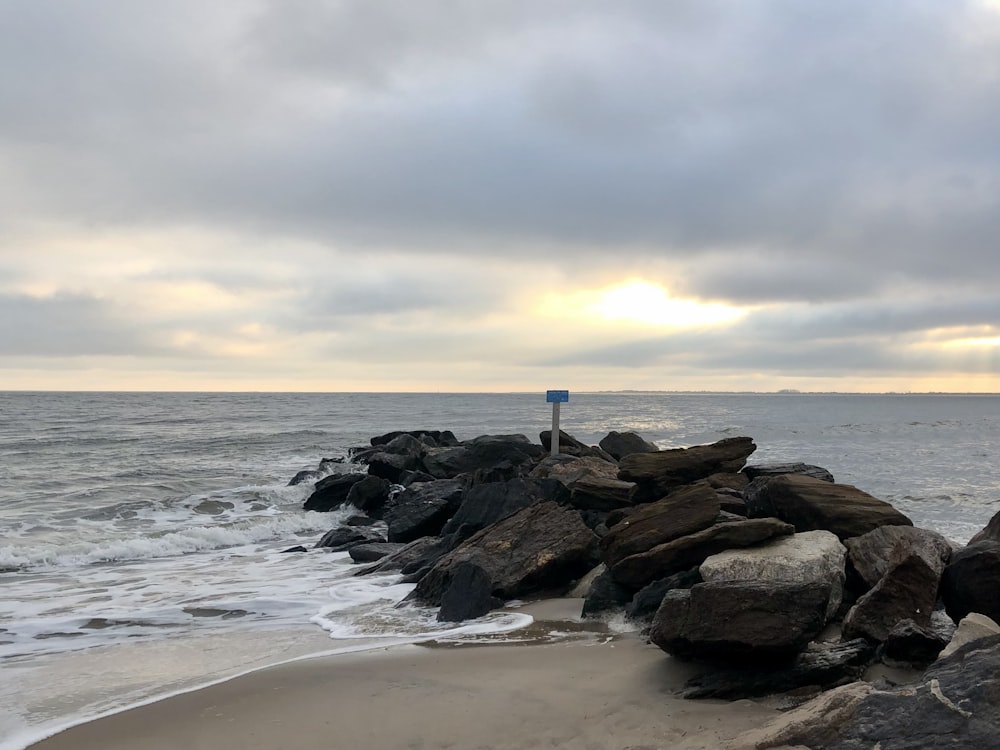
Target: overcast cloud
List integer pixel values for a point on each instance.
(438, 194)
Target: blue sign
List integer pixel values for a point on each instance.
(556, 397)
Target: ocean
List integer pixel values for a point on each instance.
(141, 534)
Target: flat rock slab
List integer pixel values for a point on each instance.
(813, 557)
(663, 471)
(810, 504)
(691, 550)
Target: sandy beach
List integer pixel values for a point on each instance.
(605, 692)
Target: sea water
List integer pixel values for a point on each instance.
(141, 534)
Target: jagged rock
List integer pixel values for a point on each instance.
(331, 492)
(682, 553)
(593, 482)
(659, 473)
(620, 444)
(813, 557)
(683, 512)
(955, 706)
(605, 595)
(740, 621)
(990, 533)
(369, 495)
(647, 600)
(306, 475)
(483, 452)
(372, 551)
(485, 504)
(541, 547)
(753, 471)
(297, 548)
(422, 509)
(870, 554)
(393, 466)
(810, 504)
(570, 446)
(731, 503)
(822, 665)
(345, 537)
(906, 592)
(413, 477)
(913, 645)
(468, 594)
(582, 587)
(971, 582)
(417, 554)
(970, 628)
(358, 520)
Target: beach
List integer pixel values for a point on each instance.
(605, 691)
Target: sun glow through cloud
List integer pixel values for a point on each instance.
(643, 302)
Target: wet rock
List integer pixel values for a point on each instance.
(544, 546)
(372, 551)
(659, 473)
(620, 444)
(870, 554)
(910, 644)
(740, 621)
(812, 557)
(690, 550)
(990, 533)
(422, 509)
(370, 495)
(483, 452)
(345, 537)
(605, 595)
(298, 548)
(971, 581)
(647, 600)
(421, 553)
(331, 492)
(810, 504)
(393, 466)
(485, 504)
(427, 437)
(570, 446)
(307, 475)
(468, 594)
(683, 512)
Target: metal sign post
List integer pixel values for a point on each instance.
(555, 398)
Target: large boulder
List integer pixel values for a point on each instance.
(422, 509)
(810, 504)
(680, 554)
(570, 446)
(954, 706)
(541, 547)
(971, 582)
(372, 551)
(971, 628)
(870, 554)
(643, 606)
(417, 555)
(990, 533)
(345, 537)
(811, 557)
(485, 504)
(683, 512)
(657, 474)
(740, 621)
(621, 444)
(482, 453)
(469, 593)
(592, 482)
(331, 492)
(907, 591)
(370, 495)
(433, 438)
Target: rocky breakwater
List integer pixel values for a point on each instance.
(773, 577)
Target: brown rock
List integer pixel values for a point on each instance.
(663, 471)
(871, 553)
(907, 591)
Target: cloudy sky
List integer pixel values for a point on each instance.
(470, 195)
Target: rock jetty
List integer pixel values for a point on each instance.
(772, 577)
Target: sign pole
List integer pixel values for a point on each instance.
(555, 398)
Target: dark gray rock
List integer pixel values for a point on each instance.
(331, 492)
(620, 444)
(420, 553)
(345, 537)
(485, 504)
(541, 547)
(810, 504)
(307, 475)
(570, 446)
(393, 466)
(771, 470)
(647, 600)
(870, 554)
(605, 595)
(468, 594)
(823, 665)
(483, 452)
(427, 437)
(359, 520)
(422, 509)
(907, 591)
(370, 495)
(680, 554)
(659, 473)
(683, 512)
(372, 551)
(911, 645)
(298, 548)
(746, 622)
(990, 533)
(971, 582)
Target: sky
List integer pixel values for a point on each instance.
(476, 195)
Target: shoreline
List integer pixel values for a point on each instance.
(583, 694)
